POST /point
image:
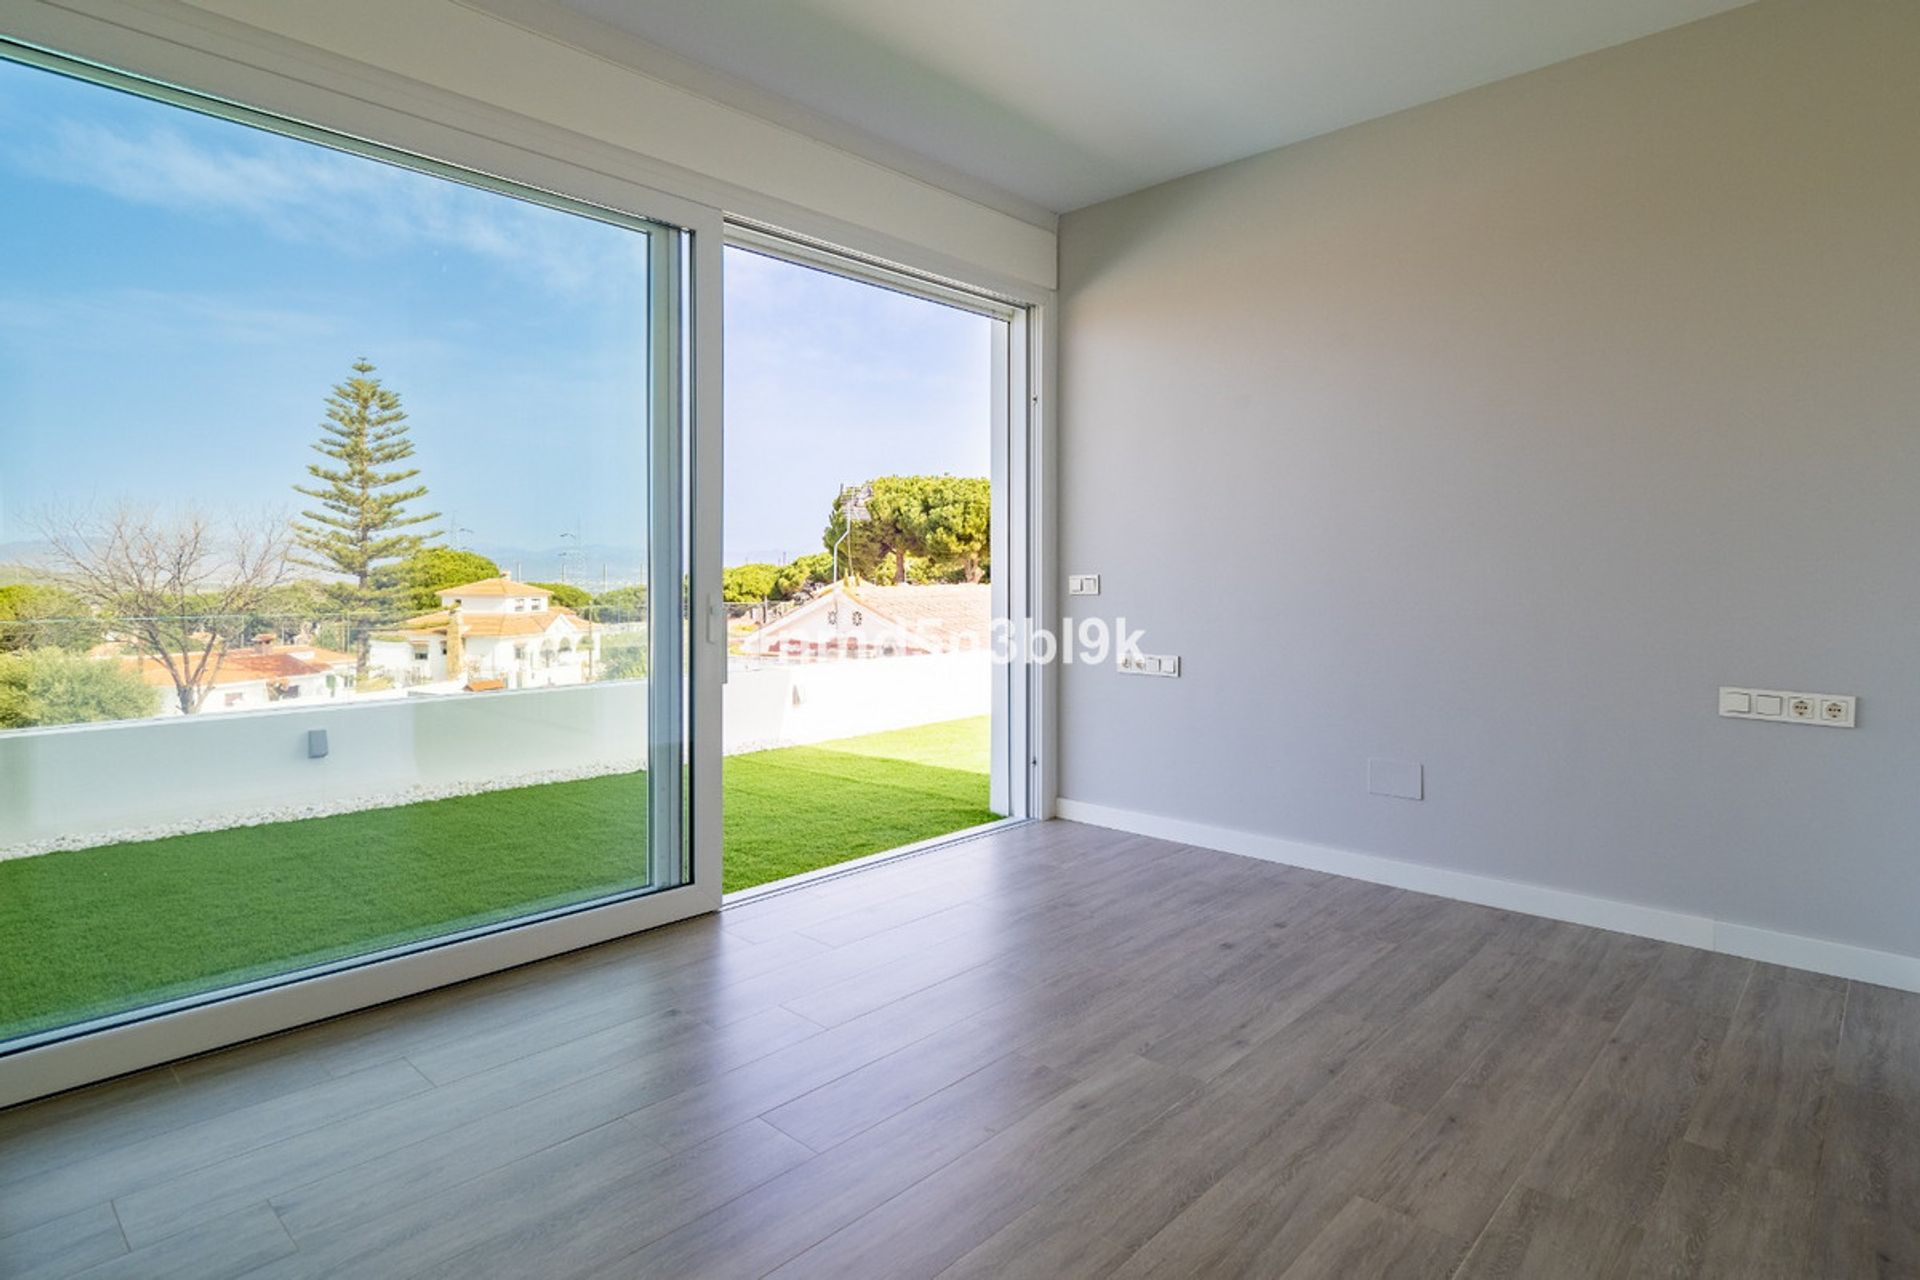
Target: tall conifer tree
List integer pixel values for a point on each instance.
(362, 522)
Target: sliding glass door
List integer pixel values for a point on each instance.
(343, 553)
(870, 583)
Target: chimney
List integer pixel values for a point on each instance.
(456, 644)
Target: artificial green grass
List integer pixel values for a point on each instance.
(801, 808)
(91, 932)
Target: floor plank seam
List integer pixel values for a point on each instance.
(909, 1186)
(1485, 1227)
(275, 1211)
(767, 1116)
(787, 1008)
(120, 1226)
(1078, 1079)
(1832, 1097)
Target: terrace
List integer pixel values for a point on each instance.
(86, 933)
(298, 817)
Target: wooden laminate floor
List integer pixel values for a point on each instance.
(1053, 1052)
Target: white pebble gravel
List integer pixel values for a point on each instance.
(328, 809)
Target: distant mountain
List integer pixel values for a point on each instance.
(29, 561)
(26, 551)
(588, 567)
(592, 564)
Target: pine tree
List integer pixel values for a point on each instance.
(940, 523)
(360, 526)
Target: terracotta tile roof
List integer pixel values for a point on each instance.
(494, 587)
(486, 626)
(959, 612)
(239, 666)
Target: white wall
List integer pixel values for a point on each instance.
(112, 777)
(784, 706)
(1496, 435)
(92, 779)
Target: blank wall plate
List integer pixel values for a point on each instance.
(1400, 779)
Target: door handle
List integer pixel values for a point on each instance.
(717, 631)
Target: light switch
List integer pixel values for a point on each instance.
(1770, 704)
(1736, 702)
(1083, 584)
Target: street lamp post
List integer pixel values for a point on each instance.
(853, 506)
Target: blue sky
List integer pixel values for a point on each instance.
(181, 292)
(831, 382)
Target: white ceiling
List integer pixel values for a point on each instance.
(1068, 102)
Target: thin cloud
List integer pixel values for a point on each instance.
(303, 192)
(103, 321)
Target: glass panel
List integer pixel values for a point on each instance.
(860, 701)
(328, 508)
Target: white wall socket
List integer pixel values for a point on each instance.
(1083, 584)
(1834, 710)
(1150, 664)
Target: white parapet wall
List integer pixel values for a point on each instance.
(787, 705)
(93, 784)
(86, 780)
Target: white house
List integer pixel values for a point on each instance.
(495, 633)
(861, 620)
(263, 674)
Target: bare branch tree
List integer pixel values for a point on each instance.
(174, 584)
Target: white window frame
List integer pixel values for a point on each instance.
(1021, 691)
(179, 1029)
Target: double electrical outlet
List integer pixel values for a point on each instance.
(1834, 710)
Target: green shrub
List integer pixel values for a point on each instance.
(747, 582)
(622, 604)
(50, 686)
(39, 617)
(804, 572)
(623, 657)
(433, 569)
(565, 594)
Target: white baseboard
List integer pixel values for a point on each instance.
(1817, 955)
